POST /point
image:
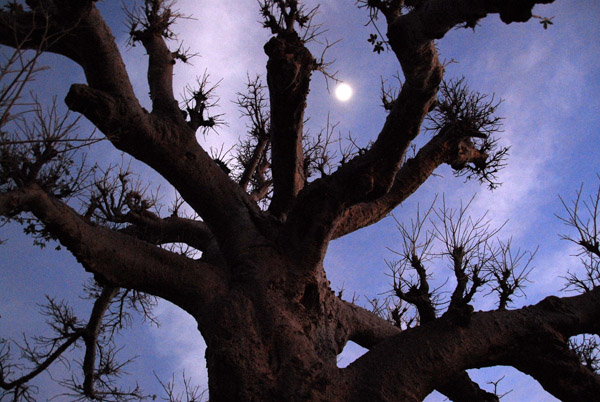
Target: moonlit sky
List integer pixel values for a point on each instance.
(548, 79)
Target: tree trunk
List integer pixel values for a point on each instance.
(272, 338)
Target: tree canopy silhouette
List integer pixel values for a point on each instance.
(242, 249)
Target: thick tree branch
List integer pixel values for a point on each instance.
(460, 387)
(119, 259)
(442, 148)
(11, 203)
(78, 32)
(368, 330)
(288, 77)
(156, 20)
(439, 150)
(160, 75)
(432, 19)
(558, 369)
(362, 326)
(419, 295)
(520, 338)
(370, 176)
(408, 179)
(173, 229)
(366, 178)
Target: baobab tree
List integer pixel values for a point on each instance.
(248, 261)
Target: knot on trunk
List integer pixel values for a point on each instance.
(290, 63)
(465, 152)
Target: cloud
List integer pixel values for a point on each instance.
(179, 344)
(229, 39)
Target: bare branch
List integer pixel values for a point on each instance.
(411, 37)
(41, 360)
(90, 337)
(587, 349)
(415, 252)
(190, 393)
(43, 150)
(586, 222)
(287, 16)
(319, 158)
(468, 114)
(252, 153)
(198, 101)
(584, 216)
(466, 241)
(510, 271)
(69, 330)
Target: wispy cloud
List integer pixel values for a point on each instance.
(178, 343)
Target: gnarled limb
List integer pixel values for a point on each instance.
(173, 229)
(442, 148)
(289, 68)
(368, 330)
(119, 259)
(557, 368)
(366, 178)
(463, 118)
(370, 176)
(422, 358)
(118, 202)
(362, 326)
(288, 76)
(417, 292)
(155, 26)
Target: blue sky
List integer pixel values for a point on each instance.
(549, 81)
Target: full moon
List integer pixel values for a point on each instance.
(343, 92)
